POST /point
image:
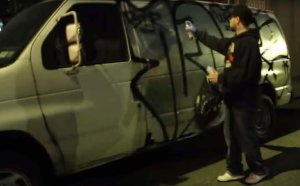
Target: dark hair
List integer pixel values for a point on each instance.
(244, 13)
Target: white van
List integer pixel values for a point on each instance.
(86, 82)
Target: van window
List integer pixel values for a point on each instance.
(145, 29)
(273, 42)
(221, 15)
(203, 20)
(15, 36)
(103, 38)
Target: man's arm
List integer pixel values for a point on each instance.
(220, 45)
(217, 44)
(245, 69)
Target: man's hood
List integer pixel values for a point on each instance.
(251, 32)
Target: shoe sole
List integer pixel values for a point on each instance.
(262, 178)
(234, 179)
(251, 183)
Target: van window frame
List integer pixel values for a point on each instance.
(89, 39)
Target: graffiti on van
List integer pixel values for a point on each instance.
(141, 83)
(158, 27)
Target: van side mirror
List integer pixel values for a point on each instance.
(72, 33)
(73, 52)
(73, 39)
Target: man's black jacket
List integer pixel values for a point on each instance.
(239, 83)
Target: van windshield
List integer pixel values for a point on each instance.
(22, 28)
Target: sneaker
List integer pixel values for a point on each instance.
(227, 176)
(255, 178)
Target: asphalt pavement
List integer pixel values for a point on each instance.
(197, 161)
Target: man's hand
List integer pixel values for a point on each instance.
(190, 29)
(213, 76)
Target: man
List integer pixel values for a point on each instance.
(239, 85)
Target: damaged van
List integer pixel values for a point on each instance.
(86, 82)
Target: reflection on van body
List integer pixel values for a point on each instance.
(140, 82)
(1, 25)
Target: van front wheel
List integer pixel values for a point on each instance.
(18, 170)
(265, 118)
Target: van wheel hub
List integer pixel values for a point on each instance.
(12, 178)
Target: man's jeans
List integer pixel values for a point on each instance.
(240, 136)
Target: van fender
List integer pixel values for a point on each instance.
(19, 142)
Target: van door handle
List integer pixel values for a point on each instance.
(72, 71)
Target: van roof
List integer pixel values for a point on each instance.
(199, 1)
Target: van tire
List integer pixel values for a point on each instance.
(18, 169)
(265, 118)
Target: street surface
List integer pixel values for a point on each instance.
(197, 161)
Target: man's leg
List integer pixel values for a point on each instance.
(244, 129)
(234, 155)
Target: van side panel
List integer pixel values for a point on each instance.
(19, 105)
(275, 57)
